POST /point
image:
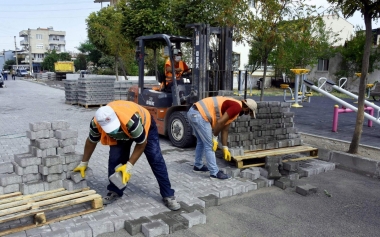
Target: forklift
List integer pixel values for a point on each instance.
(211, 73)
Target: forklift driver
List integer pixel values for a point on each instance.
(180, 67)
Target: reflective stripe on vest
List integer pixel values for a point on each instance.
(216, 108)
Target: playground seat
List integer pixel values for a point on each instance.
(284, 86)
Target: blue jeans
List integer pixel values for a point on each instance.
(203, 132)
(120, 154)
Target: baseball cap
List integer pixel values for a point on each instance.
(252, 105)
(107, 119)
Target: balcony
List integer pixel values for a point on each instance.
(55, 42)
(23, 33)
(24, 42)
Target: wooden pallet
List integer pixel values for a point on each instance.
(70, 103)
(90, 105)
(15, 206)
(257, 158)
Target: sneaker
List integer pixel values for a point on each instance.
(220, 175)
(171, 203)
(203, 169)
(110, 198)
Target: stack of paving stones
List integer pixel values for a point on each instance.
(95, 90)
(121, 89)
(47, 165)
(71, 91)
(272, 128)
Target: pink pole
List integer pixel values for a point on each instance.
(335, 118)
(370, 109)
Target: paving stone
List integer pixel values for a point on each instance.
(290, 166)
(38, 230)
(210, 200)
(250, 174)
(100, 227)
(53, 185)
(53, 177)
(72, 157)
(37, 135)
(119, 221)
(8, 179)
(59, 125)
(306, 189)
(38, 126)
(83, 230)
(155, 228)
(65, 134)
(26, 159)
(260, 183)
(17, 234)
(46, 170)
(56, 233)
(195, 218)
(31, 177)
(283, 183)
(172, 223)
(116, 179)
(70, 185)
(192, 208)
(133, 227)
(30, 188)
(46, 143)
(77, 177)
(66, 149)
(67, 142)
(6, 168)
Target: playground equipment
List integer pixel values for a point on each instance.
(338, 110)
(344, 103)
(301, 90)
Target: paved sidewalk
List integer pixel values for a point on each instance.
(23, 102)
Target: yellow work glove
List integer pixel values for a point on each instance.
(226, 154)
(214, 142)
(81, 168)
(125, 171)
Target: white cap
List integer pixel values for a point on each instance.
(252, 105)
(107, 119)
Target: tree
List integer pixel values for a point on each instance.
(370, 9)
(52, 57)
(91, 52)
(80, 62)
(8, 64)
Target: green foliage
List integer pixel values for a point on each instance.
(92, 53)
(80, 62)
(8, 64)
(51, 57)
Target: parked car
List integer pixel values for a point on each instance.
(22, 73)
(1, 81)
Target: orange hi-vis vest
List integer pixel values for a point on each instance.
(169, 75)
(124, 111)
(211, 109)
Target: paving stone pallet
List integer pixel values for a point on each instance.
(44, 208)
(256, 158)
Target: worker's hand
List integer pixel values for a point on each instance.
(81, 168)
(125, 171)
(226, 154)
(178, 70)
(214, 142)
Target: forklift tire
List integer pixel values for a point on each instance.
(180, 131)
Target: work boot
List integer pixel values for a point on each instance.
(171, 203)
(202, 169)
(110, 198)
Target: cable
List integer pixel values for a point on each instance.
(64, 3)
(35, 11)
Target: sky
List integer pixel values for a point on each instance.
(69, 16)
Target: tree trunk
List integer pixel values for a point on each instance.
(362, 85)
(122, 66)
(116, 69)
(263, 82)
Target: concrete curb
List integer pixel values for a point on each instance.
(367, 162)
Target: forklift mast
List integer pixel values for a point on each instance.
(212, 71)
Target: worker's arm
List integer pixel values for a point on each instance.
(89, 148)
(137, 132)
(225, 134)
(220, 124)
(137, 152)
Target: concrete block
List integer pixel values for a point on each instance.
(133, 227)
(72, 157)
(26, 159)
(66, 149)
(100, 227)
(56, 233)
(52, 160)
(11, 188)
(71, 166)
(173, 224)
(293, 176)
(70, 185)
(224, 192)
(36, 135)
(82, 230)
(65, 134)
(30, 188)
(26, 178)
(306, 189)
(263, 172)
(59, 125)
(210, 200)
(195, 218)
(176, 215)
(260, 183)
(43, 153)
(283, 183)
(17, 234)
(6, 168)
(77, 177)
(250, 174)
(53, 185)
(7, 179)
(155, 228)
(233, 172)
(55, 169)
(53, 177)
(118, 221)
(46, 143)
(116, 179)
(268, 182)
(67, 142)
(290, 166)
(192, 208)
(38, 126)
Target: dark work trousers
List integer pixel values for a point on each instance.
(120, 153)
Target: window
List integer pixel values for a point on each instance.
(39, 46)
(39, 55)
(323, 65)
(236, 61)
(38, 36)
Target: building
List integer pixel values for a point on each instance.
(111, 2)
(41, 40)
(6, 55)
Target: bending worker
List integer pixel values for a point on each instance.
(118, 125)
(209, 117)
(180, 67)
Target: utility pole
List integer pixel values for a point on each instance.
(30, 54)
(16, 53)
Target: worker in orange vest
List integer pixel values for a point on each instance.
(180, 67)
(208, 118)
(118, 125)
